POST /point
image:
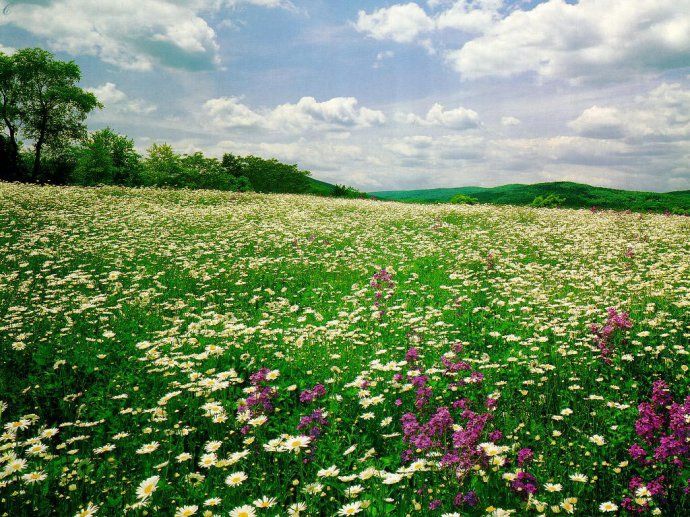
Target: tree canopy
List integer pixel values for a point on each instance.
(42, 101)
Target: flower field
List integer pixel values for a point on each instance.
(198, 353)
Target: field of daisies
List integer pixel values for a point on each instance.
(200, 353)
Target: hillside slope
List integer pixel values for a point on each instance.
(577, 195)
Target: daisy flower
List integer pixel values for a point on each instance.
(236, 478)
(147, 487)
(243, 511)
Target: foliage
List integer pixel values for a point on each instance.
(346, 192)
(548, 201)
(163, 350)
(576, 195)
(273, 176)
(462, 199)
(163, 167)
(107, 158)
(41, 98)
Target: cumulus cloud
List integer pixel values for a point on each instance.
(115, 100)
(406, 23)
(339, 113)
(459, 118)
(471, 16)
(320, 156)
(590, 39)
(132, 34)
(401, 23)
(662, 114)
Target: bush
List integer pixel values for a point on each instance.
(462, 199)
(347, 192)
(107, 158)
(163, 167)
(549, 201)
(272, 175)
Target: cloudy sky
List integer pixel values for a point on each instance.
(384, 95)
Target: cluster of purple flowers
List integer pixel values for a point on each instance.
(605, 335)
(260, 402)
(663, 426)
(314, 423)
(313, 426)
(383, 285)
(524, 484)
(431, 429)
(310, 395)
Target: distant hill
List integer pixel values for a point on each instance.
(577, 195)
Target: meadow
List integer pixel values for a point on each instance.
(187, 353)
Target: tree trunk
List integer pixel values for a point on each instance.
(37, 158)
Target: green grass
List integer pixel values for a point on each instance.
(138, 316)
(576, 195)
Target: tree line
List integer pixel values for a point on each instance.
(42, 104)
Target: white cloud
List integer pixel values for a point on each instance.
(308, 154)
(510, 121)
(471, 16)
(599, 122)
(307, 114)
(591, 39)
(7, 50)
(382, 56)
(459, 118)
(405, 23)
(115, 100)
(401, 23)
(229, 112)
(132, 34)
(663, 114)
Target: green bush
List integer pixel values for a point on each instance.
(106, 158)
(462, 199)
(347, 192)
(163, 167)
(548, 201)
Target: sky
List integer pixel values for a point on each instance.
(385, 96)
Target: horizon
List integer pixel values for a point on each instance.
(390, 96)
(524, 185)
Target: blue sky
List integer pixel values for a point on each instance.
(385, 95)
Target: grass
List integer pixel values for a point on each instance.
(136, 326)
(577, 195)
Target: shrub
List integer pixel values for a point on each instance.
(462, 199)
(548, 201)
(347, 192)
(107, 158)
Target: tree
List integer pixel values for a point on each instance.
(9, 111)
(107, 158)
(51, 107)
(163, 167)
(232, 164)
(462, 199)
(274, 176)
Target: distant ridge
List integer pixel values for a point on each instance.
(577, 195)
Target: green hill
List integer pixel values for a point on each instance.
(577, 195)
(319, 187)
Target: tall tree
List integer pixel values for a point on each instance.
(9, 111)
(107, 158)
(51, 106)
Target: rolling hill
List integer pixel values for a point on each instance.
(577, 195)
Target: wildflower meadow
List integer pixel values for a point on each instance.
(204, 353)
